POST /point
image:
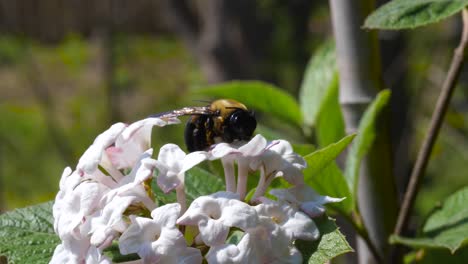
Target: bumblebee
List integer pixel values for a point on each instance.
(223, 120)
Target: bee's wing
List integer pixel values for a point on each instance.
(196, 110)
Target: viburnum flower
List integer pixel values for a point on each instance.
(134, 140)
(158, 240)
(79, 208)
(305, 198)
(243, 154)
(243, 252)
(172, 164)
(296, 224)
(278, 160)
(215, 214)
(109, 199)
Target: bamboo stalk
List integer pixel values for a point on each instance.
(360, 80)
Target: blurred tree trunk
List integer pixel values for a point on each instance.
(214, 33)
(231, 39)
(360, 80)
(107, 34)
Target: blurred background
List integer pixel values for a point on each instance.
(71, 68)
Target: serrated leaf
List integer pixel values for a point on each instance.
(364, 140)
(330, 245)
(404, 14)
(446, 227)
(27, 234)
(259, 96)
(319, 76)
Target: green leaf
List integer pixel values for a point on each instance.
(326, 178)
(446, 227)
(436, 256)
(268, 133)
(235, 237)
(259, 96)
(330, 181)
(27, 234)
(320, 76)
(330, 124)
(303, 149)
(330, 245)
(321, 158)
(199, 182)
(113, 252)
(364, 139)
(404, 14)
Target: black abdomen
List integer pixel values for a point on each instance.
(197, 132)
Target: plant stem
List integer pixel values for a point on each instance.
(434, 128)
(356, 222)
(242, 173)
(181, 197)
(229, 175)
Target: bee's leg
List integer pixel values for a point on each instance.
(212, 132)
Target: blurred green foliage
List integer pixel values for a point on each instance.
(153, 75)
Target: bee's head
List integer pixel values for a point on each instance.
(242, 124)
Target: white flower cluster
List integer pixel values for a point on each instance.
(108, 199)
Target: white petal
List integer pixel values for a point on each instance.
(109, 221)
(166, 215)
(62, 255)
(243, 252)
(300, 226)
(216, 214)
(295, 223)
(144, 169)
(64, 179)
(134, 140)
(146, 123)
(170, 242)
(94, 256)
(193, 159)
(254, 147)
(142, 230)
(213, 232)
(222, 150)
(305, 198)
(281, 147)
(70, 212)
(171, 155)
(168, 180)
(92, 156)
(70, 251)
(190, 256)
(294, 256)
(239, 214)
(292, 174)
